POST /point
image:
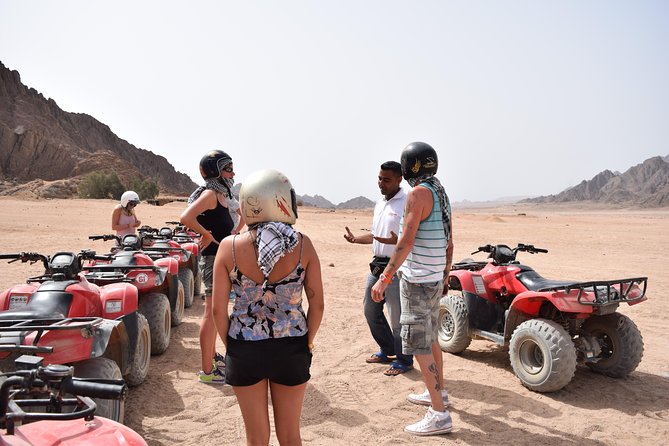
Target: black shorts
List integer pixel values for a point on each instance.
(283, 361)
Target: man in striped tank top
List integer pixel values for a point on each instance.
(422, 258)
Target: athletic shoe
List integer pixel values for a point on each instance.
(434, 423)
(214, 377)
(424, 398)
(219, 362)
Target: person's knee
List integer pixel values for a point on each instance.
(257, 438)
(288, 437)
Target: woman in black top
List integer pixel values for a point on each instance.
(208, 214)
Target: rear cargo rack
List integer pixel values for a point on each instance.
(606, 291)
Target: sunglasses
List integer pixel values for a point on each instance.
(228, 168)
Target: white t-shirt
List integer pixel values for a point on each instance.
(387, 216)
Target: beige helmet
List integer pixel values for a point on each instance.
(267, 195)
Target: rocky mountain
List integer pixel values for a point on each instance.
(356, 203)
(316, 201)
(645, 185)
(46, 150)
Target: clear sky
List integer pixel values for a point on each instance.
(519, 98)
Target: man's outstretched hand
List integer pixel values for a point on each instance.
(349, 235)
(392, 240)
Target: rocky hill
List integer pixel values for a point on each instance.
(645, 185)
(45, 151)
(356, 203)
(316, 201)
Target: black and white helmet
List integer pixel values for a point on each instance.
(418, 159)
(212, 163)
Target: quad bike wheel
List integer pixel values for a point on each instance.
(103, 368)
(453, 324)
(188, 282)
(177, 314)
(139, 368)
(542, 355)
(620, 341)
(156, 308)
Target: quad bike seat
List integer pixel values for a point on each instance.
(124, 258)
(534, 282)
(161, 244)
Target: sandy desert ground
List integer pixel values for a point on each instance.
(351, 402)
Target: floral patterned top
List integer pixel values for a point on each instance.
(275, 313)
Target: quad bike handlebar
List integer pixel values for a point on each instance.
(501, 254)
(64, 263)
(105, 237)
(521, 247)
(51, 389)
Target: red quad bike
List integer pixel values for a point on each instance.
(160, 292)
(65, 319)
(182, 235)
(161, 242)
(47, 406)
(548, 325)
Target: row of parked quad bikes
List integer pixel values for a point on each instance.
(92, 321)
(103, 315)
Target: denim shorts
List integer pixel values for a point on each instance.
(207, 268)
(280, 360)
(419, 317)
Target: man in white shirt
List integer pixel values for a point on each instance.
(385, 227)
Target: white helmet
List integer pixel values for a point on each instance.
(267, 195)
(129, 196)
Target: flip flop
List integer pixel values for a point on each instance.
(397, 368)
(378, 358)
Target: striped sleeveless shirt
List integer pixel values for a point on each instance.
(427, 260)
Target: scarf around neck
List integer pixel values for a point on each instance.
(273, 240)
(443, 199)
(223, 186)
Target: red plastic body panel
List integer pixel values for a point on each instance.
(124, 292)
(493, 279)
(68, 346)
(22, 289)
(192, 248)
(86, 300)
(169, 263)
(530, 301)
(99, 432)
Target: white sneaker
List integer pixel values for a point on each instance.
(434, 423)
(424, 398)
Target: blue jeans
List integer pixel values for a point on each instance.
(389, 339)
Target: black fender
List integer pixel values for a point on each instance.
(112, 340)
(172, 291)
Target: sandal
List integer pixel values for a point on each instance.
(378, 358)
(397, 368)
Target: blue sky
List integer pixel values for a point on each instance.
(519, 98)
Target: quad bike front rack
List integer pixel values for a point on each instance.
(85, 324)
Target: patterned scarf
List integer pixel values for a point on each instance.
(443, 199)
(222, 185)
(273, 240)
